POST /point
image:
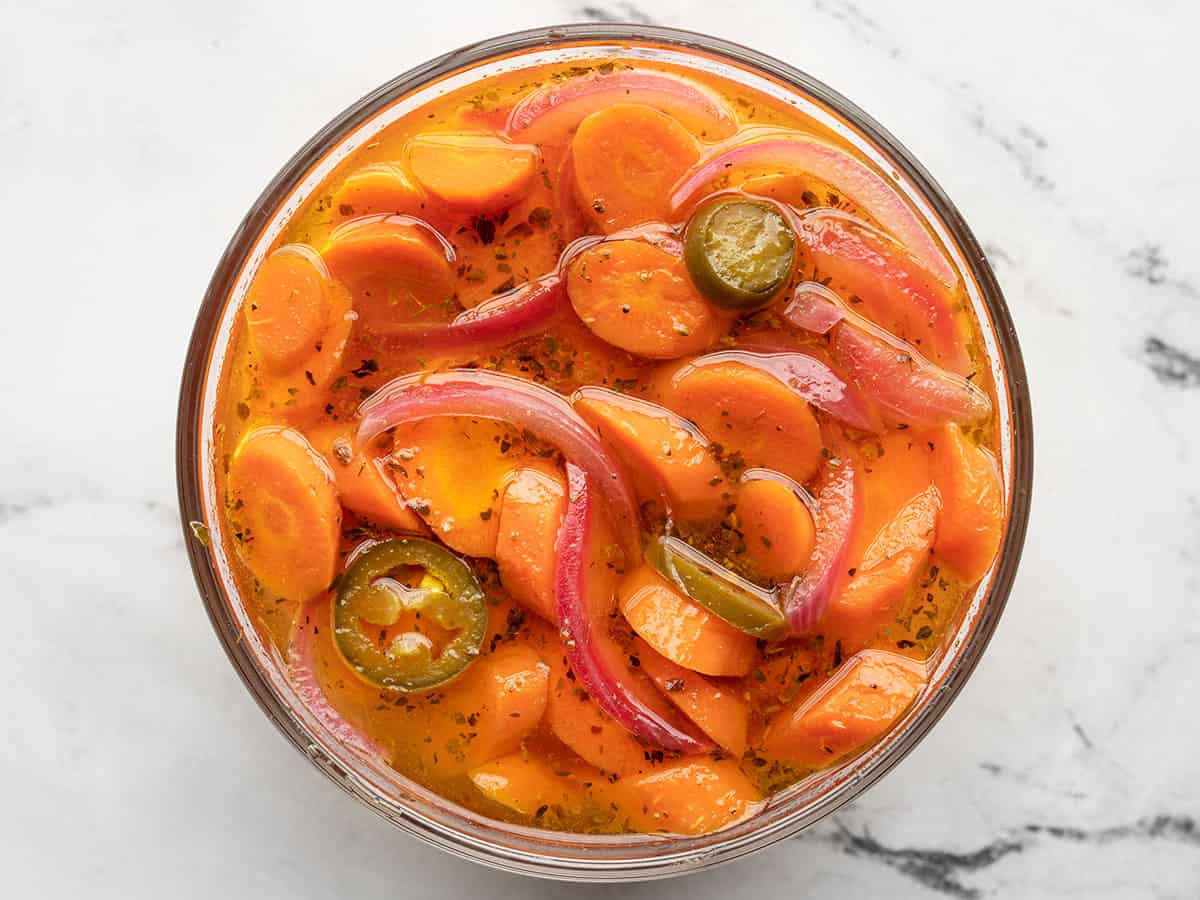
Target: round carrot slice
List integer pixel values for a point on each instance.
(282, 497)
(688, 796)
(859, 702)
(627, 158)
(473, 171)
(531, 512)
(378, 188)
(637, 297)
(452, 471)
(720, 711)
(397, 269)
(665, 455)
(362, 481)
(680, 630)
(287, 307)
(749, 412)
(879, 580)
(777, 525)
(972, 521)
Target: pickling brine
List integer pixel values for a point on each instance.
(607, 447)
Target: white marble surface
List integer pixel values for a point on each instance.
(133, 135)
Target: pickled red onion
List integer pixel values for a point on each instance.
(578, 621)
(839, 508)
(514, 314)
(814, 308)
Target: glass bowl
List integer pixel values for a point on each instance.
(409, 806)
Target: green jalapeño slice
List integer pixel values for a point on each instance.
(723, 593)
(739, 251)
(409, 615)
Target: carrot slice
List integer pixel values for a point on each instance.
(479, 172)
(531, 512)
(718, 710)
(680, 630)
(529, 784)
(627, 159)
(972, 520)
(887, 570)
(749, 412)
(288, 306)
(638, 297)
(452, 472)
(396, 268)
(665, 456)
(283, 500)
(580, 724)
(776, 525)
(895, 467)
(688, 797)
(363, 482)
(861, 700)
(379, 188)
(483, 715)
(507, 693)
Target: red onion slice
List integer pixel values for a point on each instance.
(302, 667)
(839, 508)
(580, 620)
(523, 311)
(801, 153)
(814, 308)
(490, 395)
(911, 389)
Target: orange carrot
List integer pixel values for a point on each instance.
(363, 482)
(627, 158)
(528, 783)
(525, 247)
(637, 297)
(717, 709)
(861, 700)
(374, 189)
(680, 630)
(485, 714)
(477, 172)
(895, 468)
(777, 527)
(288, 306)
(665, 456)
(282, 496)
(690, 796)
(507, 694)
(531, 511)
(749, 412)
(452, 472)
(397, 272)
(887, 570)
(580, 724)
(972, 520)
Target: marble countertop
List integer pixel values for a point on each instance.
(133, 136)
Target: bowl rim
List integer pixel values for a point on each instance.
(652, 857)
